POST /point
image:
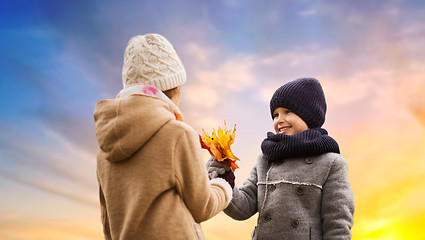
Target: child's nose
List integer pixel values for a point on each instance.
(281, 118)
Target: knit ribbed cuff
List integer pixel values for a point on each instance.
(226, 186)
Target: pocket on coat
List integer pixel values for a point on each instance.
(254, 234)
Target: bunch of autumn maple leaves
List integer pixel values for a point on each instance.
(218, 145)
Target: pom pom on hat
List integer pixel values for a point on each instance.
(304, 97)
(152, 60)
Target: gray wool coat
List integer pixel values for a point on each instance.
(297, 199)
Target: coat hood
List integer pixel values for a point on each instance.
(124, 125)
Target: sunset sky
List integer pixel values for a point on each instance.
(58, 58)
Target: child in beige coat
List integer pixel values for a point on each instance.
(152, 180)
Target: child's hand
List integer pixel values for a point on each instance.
(216, 168)
(220, 169)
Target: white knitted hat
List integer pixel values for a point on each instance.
(151, 60)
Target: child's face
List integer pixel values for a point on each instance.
(287, 122)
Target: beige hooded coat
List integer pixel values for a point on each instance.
(153, 182)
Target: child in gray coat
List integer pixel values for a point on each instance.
(299, 184)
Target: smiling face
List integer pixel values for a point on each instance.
(287, 122)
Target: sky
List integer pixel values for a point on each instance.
(60, 57)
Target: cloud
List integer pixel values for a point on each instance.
(199, 53)
(208, 123)
(48, 187)
(370, 83)
(232, 75)
(254, 71)
(308, 12)
(201, 95)
(211, 78)
(47, 161)
(355, 19)
(409, 91)
(266, 93)
(393, 12)
(303, 60)
(413, 30)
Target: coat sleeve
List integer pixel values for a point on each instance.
(337, 202)
(203, 198)
(244, 202)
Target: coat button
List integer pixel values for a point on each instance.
(267, 218)
(295, 223)
(308, 160)
(299, 191)
(272, 188)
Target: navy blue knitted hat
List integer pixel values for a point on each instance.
(305, 98)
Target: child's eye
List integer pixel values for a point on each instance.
(276, 115)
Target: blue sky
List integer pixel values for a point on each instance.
(60, 57)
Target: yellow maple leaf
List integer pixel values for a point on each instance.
(218, 144)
